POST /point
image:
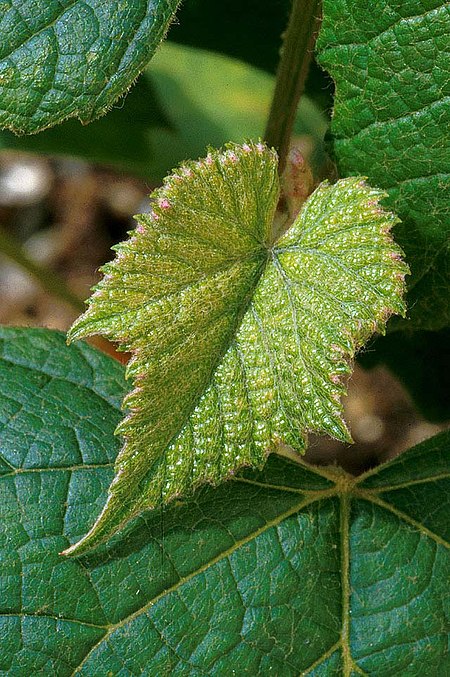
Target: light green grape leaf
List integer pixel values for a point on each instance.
(73, 58)
(238, 342)
(290, 571)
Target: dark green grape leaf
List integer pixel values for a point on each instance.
(71, 58)
(294, 570)
(235, 345)
(166, 117)
(390, 123)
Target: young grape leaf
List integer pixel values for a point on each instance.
(238, 342)
(390, 123)
(73, 58)
(293, 570)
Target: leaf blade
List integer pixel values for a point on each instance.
(60, 60)
(390, 121)
(210, 309)
(248, 562)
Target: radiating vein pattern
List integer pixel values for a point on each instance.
(253, 572)
(238, 343)
(73, 57)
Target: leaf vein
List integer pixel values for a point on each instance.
(405, 517)
(182, 581)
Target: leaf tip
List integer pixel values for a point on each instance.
(75, 332)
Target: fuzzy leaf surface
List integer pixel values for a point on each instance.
(73, 58)
(288, 571)
(390, 123)
(238, 342)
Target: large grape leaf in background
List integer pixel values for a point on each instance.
(235, 345)
(166, 118)
(294, 570)
(73, 58)
(390, 123)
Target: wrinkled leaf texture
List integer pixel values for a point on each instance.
(73, 58)
(293, 570)
(390, 123)
(238, 342)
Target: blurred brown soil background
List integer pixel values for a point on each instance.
(67, 214)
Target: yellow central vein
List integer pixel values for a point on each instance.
(57, 468)
(345, 572)
(58, 619)
(264, 485)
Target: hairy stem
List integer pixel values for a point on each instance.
(48, 280)
(293, 68)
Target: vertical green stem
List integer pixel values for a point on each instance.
(49, 280)
(345, 578)
(298, 47)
